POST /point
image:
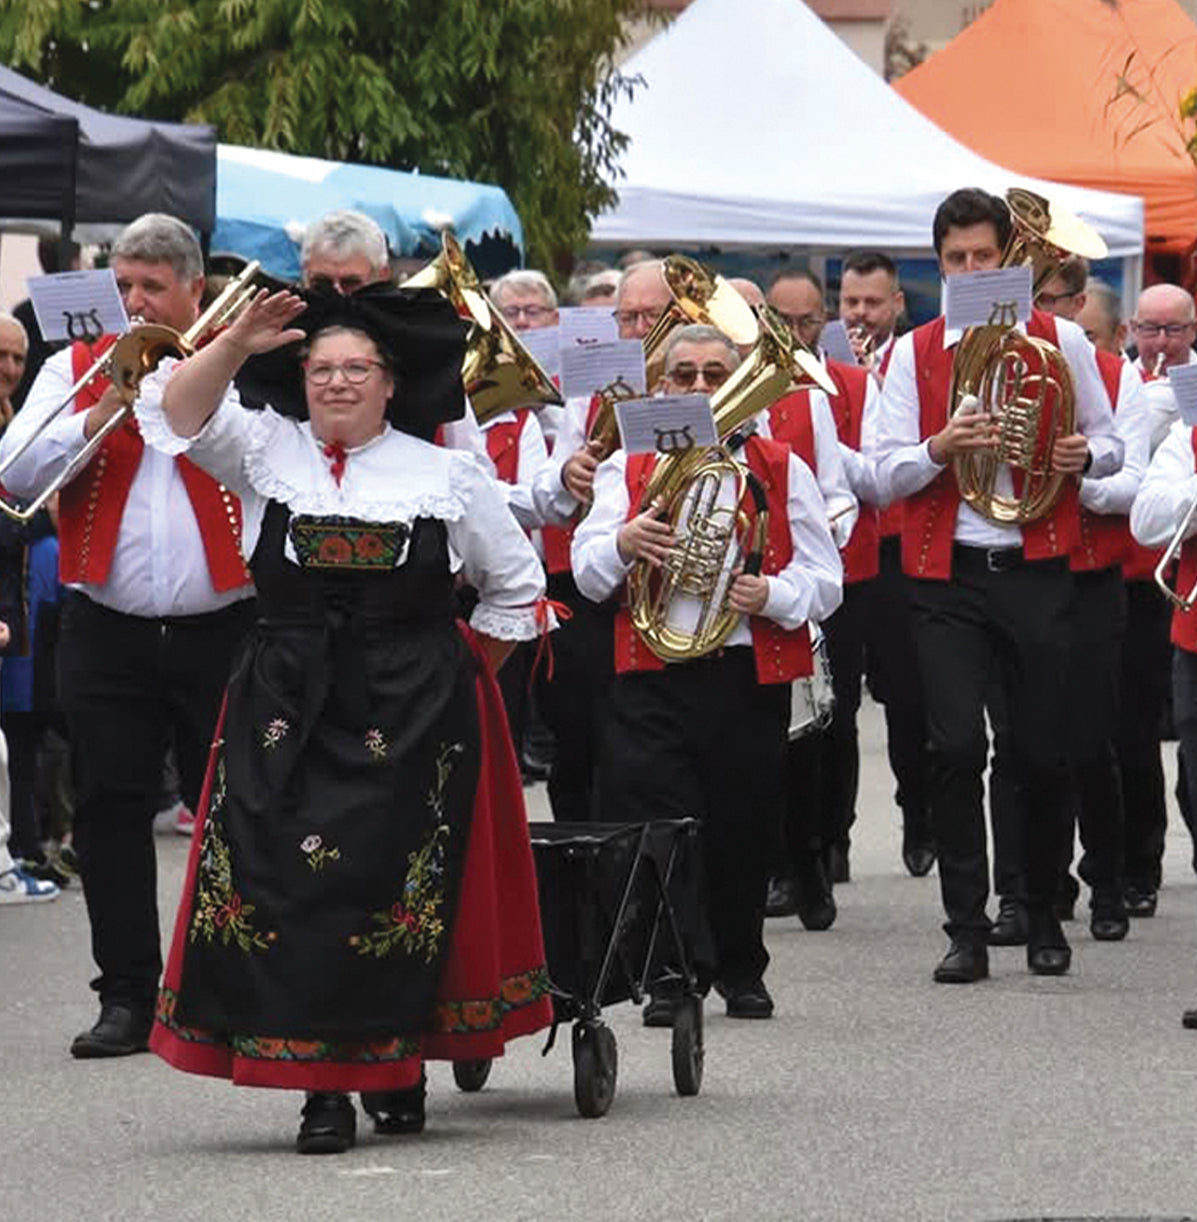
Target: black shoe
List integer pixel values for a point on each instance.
(780, 900)
(397, 1111)
(838, 869)
(1188, 1020)
(751, 1001)
(1107, 919)
(813, 898)
(658, 1011)
(918, 850)
(1140, 902)
(965, 963)
(328, 1124)
(1048, 952)
(1010, 928)
(120, 1031)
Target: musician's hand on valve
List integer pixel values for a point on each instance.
(749, 594)
(109, 403)
(578, 473)
(1070, 455)
(264, 324)
(646, 538)
(968, 429)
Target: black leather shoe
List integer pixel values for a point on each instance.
(658, 1012)
(813, 899)
(780, 900)
(965, 963)
(752, 1001)
(328, 1124)
(397, 1111)
(1048, 952)
(120, 1031)
(1188, 1020)
(1010, 928)
(1140, 902)
(1107, 919)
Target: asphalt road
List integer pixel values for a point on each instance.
(872, 1095)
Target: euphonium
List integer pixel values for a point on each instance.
(135, 354)
(718, 513)
(499, 373)
(1022, 382)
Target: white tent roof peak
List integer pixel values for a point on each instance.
(757, 126)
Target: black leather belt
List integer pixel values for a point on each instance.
(991, 559)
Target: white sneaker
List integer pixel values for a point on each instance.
(17, 887)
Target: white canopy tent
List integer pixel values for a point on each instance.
(757, 127)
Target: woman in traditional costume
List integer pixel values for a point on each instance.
(360, 895)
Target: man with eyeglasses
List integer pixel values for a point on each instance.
(701, 737)
(990, 602)
(576, 698)
(1163, 328)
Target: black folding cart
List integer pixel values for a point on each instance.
(616, 904)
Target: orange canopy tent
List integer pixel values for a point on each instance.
(1080, 91)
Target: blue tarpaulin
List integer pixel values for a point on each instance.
(264, 201)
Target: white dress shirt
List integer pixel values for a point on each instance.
(395, 477)
(1168, 491)
(159, 566)
(891, 433)
(1160, 402)
(810, 587)
(831, 474)
(553, 502)
(1116, 493)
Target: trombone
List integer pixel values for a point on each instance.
(134, 355)
(1184, 601)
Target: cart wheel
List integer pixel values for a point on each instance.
(687, 1046)
(596, 1064)
(471, 1076)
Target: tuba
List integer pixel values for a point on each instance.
(134, 355)
(1024, 383)
(717, 509)
(498, 371)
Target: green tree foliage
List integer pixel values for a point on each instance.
(516, 92)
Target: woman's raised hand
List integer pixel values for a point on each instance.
(263, 326)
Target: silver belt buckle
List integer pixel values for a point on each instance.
(992, 563)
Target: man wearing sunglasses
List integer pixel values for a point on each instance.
(701, 737)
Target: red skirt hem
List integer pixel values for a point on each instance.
(493, 988)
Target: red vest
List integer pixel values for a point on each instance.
(929, 522)
(503, 446)
(558, 539)
(90, 507)
(781, 655)
(1105, 537)
(1184, 623)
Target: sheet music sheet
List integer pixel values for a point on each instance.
(78, 305)
(545, 345)
(1183, 380)
(666, 424)
(834, 342)
(586, 370)
(977, 299)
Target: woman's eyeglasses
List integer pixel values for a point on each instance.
(685, 375)
(354, 372)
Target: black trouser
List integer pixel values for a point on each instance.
(703, 739)
(576, 700)
(127, 684)
(1016, 620)
(895, 680)
(1184, 717)
(1146, 669)
(1098, 627)
(24, 734)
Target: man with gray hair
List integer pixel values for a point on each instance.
(1101, 317)
(343, 252)
(526, 299)
(701, 737)
(158, 601)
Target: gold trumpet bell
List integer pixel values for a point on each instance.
(138, 353)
